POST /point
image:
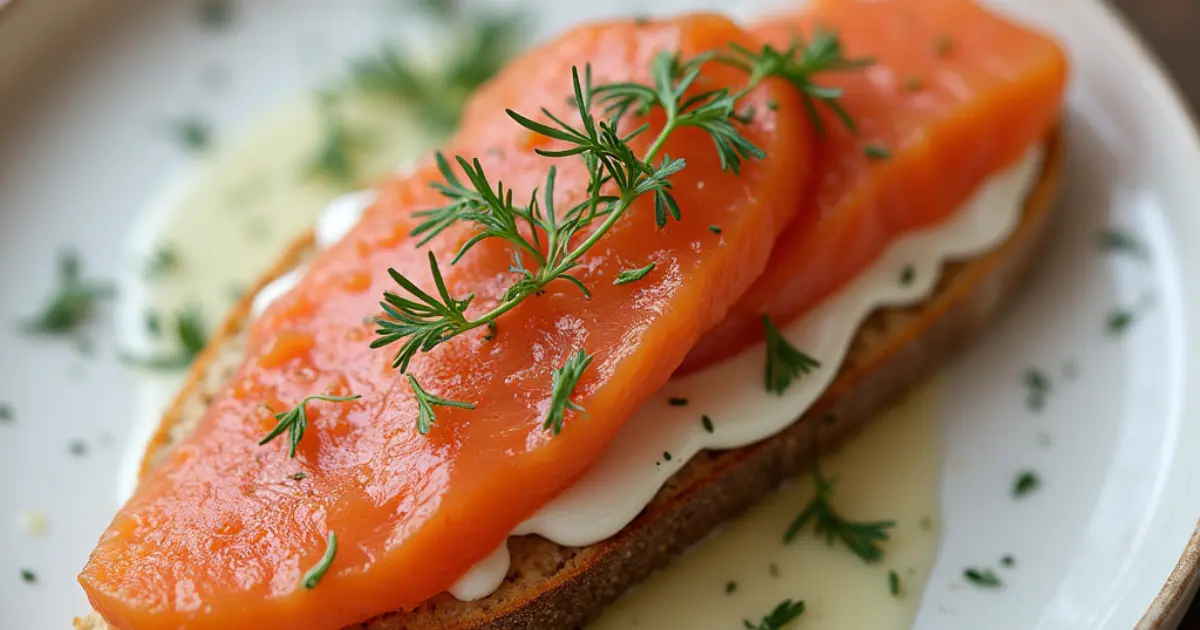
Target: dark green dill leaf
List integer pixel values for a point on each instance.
(565, 379)
(1027, 481)
(982, 577)
(633, 275)
(877, 152)
(943, 45)
(313, 576)
(215, 14)
(425, 404)
(191, 336)
(1119, 320)
(730, 587)
(295, 420)
(28, 576)
(1038, 385)
(780, 616)
(666, 456)
(773, 105)
(422, 323)
(334, 156)
(1114, 240)
(74, 302)
(162, 260)
(7, 413)
(861, 537)
(894, 583)
(677, 402)
(193, 133)
(715, 229)
(707, 423)
(1008, 561)
(907, 275)
(77, 448)
(784, 362)
(641, 19)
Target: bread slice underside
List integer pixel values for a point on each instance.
(551, 587)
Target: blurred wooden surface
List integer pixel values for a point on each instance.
(1172, 28)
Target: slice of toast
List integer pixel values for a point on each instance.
(552, 587)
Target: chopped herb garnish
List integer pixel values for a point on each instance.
(7, 414)
(907, 275)
(1038, 385)
(982, 577)
(215, 14)
(730, 587)
(565, 379)
(545, 237)
(914, 84)
(782, 615)
(1118, 321)
(28, 576)
(162, 260)
(1008, 561)
(715, 229)
(1115, 240)
(1027, 481)
(153, 324)
(333, 159)
(677, 402)
(894, 583)
(300, 476)
(77, 448)
(784, 362)
(877, 152)
(74, 303)
(295, 421)
(862, 538)
(667, 456)
(773, 105)
(192, 337)
(426, 402)
(192, 133)
(314, 575)
(943, 45)
(633, 275)
(707, 423)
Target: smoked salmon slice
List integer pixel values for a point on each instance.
(223, 531)
(956, 94)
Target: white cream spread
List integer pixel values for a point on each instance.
(633, 468)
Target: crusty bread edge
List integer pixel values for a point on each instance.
(893, 350)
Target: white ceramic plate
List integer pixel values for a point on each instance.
(1104, 544)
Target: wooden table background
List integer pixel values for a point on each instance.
(1172, 28)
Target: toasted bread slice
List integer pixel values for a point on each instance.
(549, 586)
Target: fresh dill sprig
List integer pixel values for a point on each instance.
(784, 362)
(74, 302)
(862, 537)
(425, 403)
(541, 236)
(1027, 481)
(314, 575)
(982, 577)
(191, 335)
(633, 275)
(295, 420)
(562, 386)
(780, 616)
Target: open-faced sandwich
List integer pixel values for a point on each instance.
(661, 265)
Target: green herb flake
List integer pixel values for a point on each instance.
(861, 537)
(564, 380)
(773, 569)
(877, 152)
(314, 575)
(74, 302)
(943, 45)
(773, 105)
(783, 614)
(1008, 561)
(715, 229)
(667, 456)
(784, 362)
(333, 158)
(191, 336)
(426, 402)
(633, 275)
(1117, 241)
(926, 523)
(1119, 321)
(162, 261)
(907, 275)
(913, 84)
(192, 133)
(677, 402)
(730, 587)
(215, 14)
(77, 448)
(1038, 386)
(894, 583)
(986, 578)
(707, 423)
(28, 576)
(300, 476)
(1027, 481)
(7, 413)
(153, 324)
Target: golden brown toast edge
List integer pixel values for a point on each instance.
(552, 587)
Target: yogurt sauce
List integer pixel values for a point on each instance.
(196, 220)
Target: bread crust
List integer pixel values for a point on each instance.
(551, 587)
